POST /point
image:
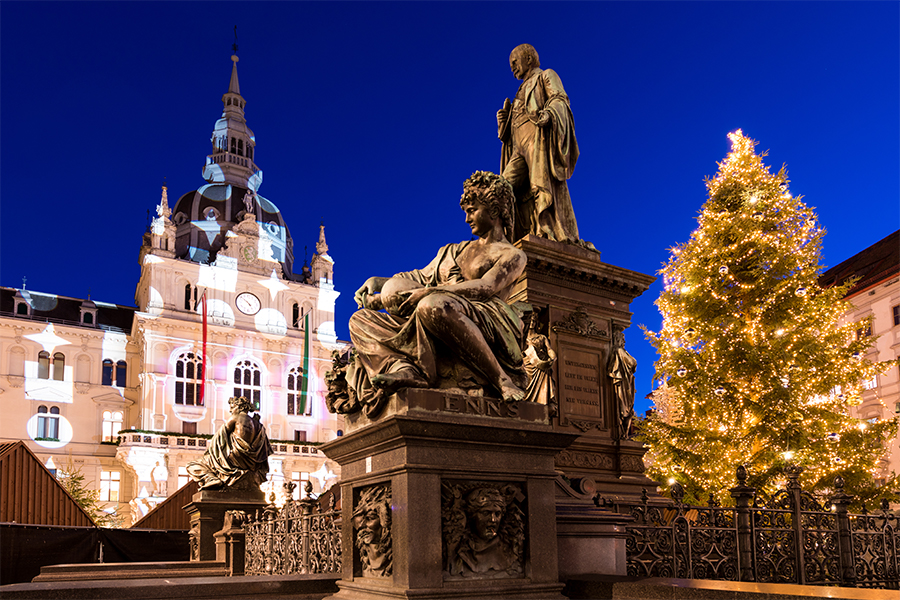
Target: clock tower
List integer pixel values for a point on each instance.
(222, 308)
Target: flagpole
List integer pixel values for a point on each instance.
(202, 303)
(304, 385)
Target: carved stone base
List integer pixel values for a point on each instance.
(583, 299)
(471, 484)
(207, 512)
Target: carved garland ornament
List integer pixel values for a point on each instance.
(592, 460)
(579, 323)
(630, 462)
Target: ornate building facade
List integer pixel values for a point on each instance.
(131, 394)
(876, 294)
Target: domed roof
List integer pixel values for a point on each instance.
(204, 218)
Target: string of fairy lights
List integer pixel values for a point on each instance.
(759, 366)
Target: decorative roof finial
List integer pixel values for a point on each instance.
(234, 46)
(24, 279)
(322, 246)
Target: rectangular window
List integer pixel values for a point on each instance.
(187, 427)
(299, 435)
(864, 332)
(109, 486)
(896, 310)
(183, 477)
(299, 478)
(48, 428)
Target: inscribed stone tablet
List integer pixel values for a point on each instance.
(579, 374)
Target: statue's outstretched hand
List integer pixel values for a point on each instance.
(371, 287)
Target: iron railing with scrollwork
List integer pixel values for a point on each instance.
(297, 538)
(790, 537)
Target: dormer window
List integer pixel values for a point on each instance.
(23, 308)
(88, 313)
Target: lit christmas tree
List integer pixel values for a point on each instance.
(758, 368)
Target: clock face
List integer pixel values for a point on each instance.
(247, 303)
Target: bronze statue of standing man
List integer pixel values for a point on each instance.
(539, 150)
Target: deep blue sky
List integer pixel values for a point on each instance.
(369, 116)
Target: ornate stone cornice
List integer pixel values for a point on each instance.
(581, 269)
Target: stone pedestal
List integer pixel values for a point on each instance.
(590, 539)
(231, 543)
(207, 512)
(582, 299)
(432, 456)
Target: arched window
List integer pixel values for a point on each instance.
(297, 402)
(88, 318)
(187, 297)
(59, 366)
(248, 382)
(22, 308)
(43, 365)
(188, 379)
(122, 374)
(296, 315)
(112, 424)
(240, 147)
(48, 423)
(233, 145)
(107, 377)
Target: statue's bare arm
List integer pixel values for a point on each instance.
(495, 282)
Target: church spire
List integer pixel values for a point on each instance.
(233, 143)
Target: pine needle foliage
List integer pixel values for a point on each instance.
(73, 480)
(759, 367)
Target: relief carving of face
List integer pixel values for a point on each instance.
(370, 529)
(487, 521)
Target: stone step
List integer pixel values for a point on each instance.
(134, 570)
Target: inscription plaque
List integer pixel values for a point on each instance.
(579, 374)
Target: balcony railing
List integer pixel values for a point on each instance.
(194, 442)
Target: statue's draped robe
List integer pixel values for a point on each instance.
(543, 205)
(387, 344)
(540, 383)
(230, 457)
(621, 369)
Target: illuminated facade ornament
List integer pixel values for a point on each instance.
(273, 284)
(47, 338)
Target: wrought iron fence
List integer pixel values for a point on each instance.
(297, 538)
(791, 537)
